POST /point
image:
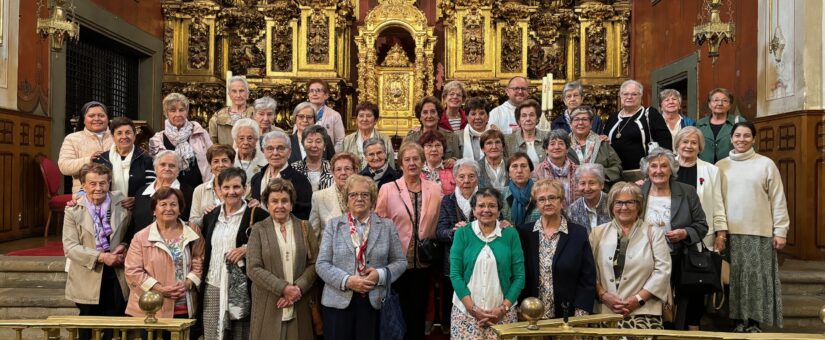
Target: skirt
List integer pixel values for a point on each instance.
(238, 329)
(465, 326)
(755, 291)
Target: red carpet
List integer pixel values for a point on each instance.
(54, 248)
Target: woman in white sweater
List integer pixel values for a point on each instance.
(757, 224)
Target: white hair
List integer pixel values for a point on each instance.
(277, 135)
(264, 103)
(241, 79)
(632, 82)
(163, 153)
(246, 123)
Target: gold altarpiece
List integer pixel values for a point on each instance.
(390, 57)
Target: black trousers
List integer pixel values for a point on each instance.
(446, 302)
(111, 303)
(413, 291)
(359, 321)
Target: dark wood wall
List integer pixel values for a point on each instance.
(145, 14)
(662, 34)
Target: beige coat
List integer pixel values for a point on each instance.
(76, 151)
(85, 273)
(220, 126)
(325, 206)
(647, 265)
(265, 269)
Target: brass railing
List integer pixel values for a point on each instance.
(574, 329)
(121, 326)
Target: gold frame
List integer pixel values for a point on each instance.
(456, 68)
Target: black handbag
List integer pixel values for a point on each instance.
(701, 269)
(238, 292)
(427, 250)
(391, 325)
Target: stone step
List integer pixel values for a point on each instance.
(33, 279)
(34, 297)
(803, 289)
(32, 263)
(787, 276)
(8, 313)
(795, 306)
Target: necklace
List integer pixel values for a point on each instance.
(619, 134)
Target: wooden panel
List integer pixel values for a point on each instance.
(787, 170)
(819, 197)
(145, 15)
(6, 187)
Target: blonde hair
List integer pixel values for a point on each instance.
(175, 98)
(626, 188)
(410, 145)
(690, 131)
(548, 183)
(373, 189)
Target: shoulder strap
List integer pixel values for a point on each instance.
(412, 220)
(251, 221)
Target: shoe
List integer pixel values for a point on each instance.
(753, 329)
(740, 328)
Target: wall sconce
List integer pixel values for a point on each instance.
(56, 27)
(714, 31)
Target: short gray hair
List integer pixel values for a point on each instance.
(669, 93)
(164, 153)
(264, 103)
(277, 135)
(582, 109)
(572, 86)
(560, 134)
(246, 123)
(374, 141)
(594, 169)
(303, 106)
(632, 82)
(657, 153)
(468, 163)
(688, 131)
(313, 129)
(241, 79)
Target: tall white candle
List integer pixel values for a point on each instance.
(228, 98)
(544, 94)
(550, 91)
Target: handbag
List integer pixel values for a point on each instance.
(427, 250)
(391, 325)
(238, 292)
(701, 269)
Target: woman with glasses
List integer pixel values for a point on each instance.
(304, 117)
(573, 97)
(558, 261)
(325, 116)
(330, 202)
(632, 262)
(277, 150)
(453, 118)
(588, 147)
(718, 126)
(635, 130)
(559, 165)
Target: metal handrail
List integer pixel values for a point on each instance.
(179, 328)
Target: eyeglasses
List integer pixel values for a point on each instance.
(547, 199)
(519, 88)
(628, 204)
(304, 117)
(356, 195)
(581, 120)
(279, 148)
(316, 91)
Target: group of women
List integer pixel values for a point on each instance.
(315, 229)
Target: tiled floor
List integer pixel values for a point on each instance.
(26, 243)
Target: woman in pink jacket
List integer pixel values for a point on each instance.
(186, 138)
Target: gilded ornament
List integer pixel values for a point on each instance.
(473, 38)
(396, 91)
(396, 57)
(198, 50)
(317, 38)
(596, 46)
(168, 44)
(511, 49)
(281, 48)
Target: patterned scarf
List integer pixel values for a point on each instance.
(180, 139)
(588, 152)
(100, 218)
(359, 242)
(431, 174)
(464, 203)
(521, 199)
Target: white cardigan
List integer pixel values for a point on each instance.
(709, 188)
(325, 207)
(754, 195)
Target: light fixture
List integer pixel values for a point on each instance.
(56, 27)
(714, 31)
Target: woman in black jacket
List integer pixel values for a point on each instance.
(558, 263)
(277, 150)
(131, 166)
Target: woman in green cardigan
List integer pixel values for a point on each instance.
(483, 252)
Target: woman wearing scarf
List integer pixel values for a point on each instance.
(225, 234)
(518, 207)
(365, 119)
(248, 155)
(314, 166)
(167, 169)
(435, 168)
(187, 139)
(452, 95)
(493, 169)
(478, 120)
(131, 166)
(221, 123)
(528, 138)
(93, 233)
(588, 147)
(558, 164)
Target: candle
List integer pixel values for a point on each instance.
(228, 98)
(544, 94)
(550, 91)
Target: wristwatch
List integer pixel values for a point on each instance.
(641, 301)
(506, 308)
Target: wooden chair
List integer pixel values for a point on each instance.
(57, 202)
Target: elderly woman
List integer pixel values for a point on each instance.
(478, 121)
(354, 291)
(632, 262)
(452, 95)
(670, 102)
(635, 130)
(485, 253)
(93, 241)
(131, 166)
(330, 202)
(325, 116)
(707, 181)
(528, 138)
(573, 95)
(187, 139)
(166, 258)
(559, 165)
(416, 222)
(558, 261)
(277, 150)
(304, 117)
(519, 208)
(225, 234)
(588, 147)
(221, 123)
(281, 257)
(590, 210)
(378, 168)
(207, 196)
(264, 114)
(718, 126)
(428, 112)
(248, 157)
(435, 168)
(365, 119)
(455, 212)
(167, 169)
(492, 163)
(758, 223)
(674, 208)
(313, 166)
(85, 147)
